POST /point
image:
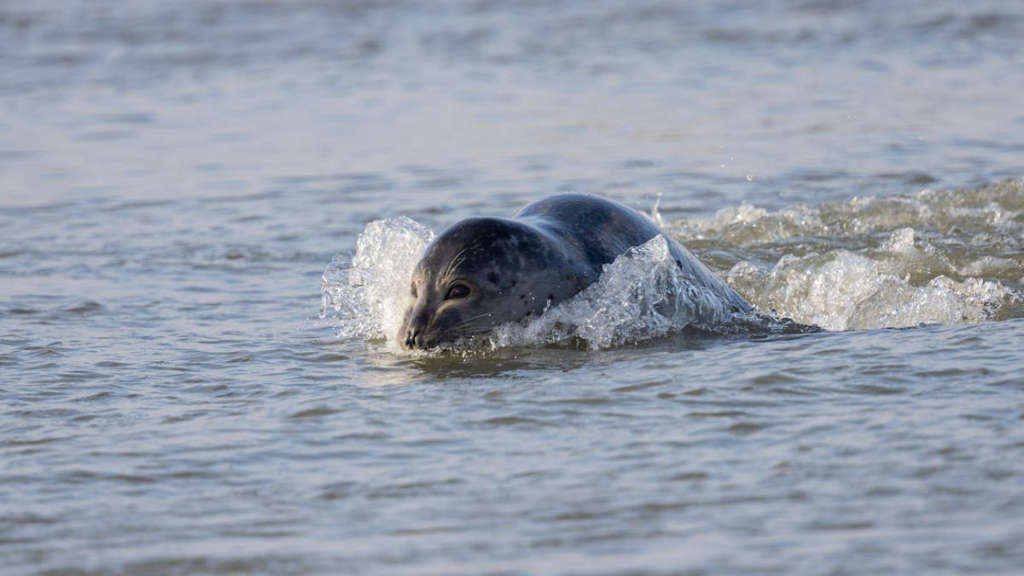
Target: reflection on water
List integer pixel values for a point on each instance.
(175, 176)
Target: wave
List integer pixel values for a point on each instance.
(953, 256)
(934, 257)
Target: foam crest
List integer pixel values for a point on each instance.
(932, 257)
(843, 290)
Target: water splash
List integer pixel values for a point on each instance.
(842, 290)
(369, 292)
(641, 295)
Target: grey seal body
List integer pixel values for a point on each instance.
(483, 272)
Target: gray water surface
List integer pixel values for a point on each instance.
(176, 176)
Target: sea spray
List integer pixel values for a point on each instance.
(641, 295)
(368, 292)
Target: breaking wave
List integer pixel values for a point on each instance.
(934, 257)
(954, 256)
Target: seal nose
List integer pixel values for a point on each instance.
(415, 331)
(415, 327)
(413, 337)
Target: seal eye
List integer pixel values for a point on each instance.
(412, 290)
(457, 291)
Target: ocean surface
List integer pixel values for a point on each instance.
(208, 214)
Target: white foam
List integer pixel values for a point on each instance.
(842, 290)
(900, 242)
(948, 257)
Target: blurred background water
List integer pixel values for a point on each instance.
(176, 176)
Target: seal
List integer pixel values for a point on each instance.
(483, 272)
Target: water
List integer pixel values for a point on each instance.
(179, 180)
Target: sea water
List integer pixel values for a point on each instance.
(208, 212)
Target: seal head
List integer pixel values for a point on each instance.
(483, 272)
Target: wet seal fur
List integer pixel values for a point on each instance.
(483, 272)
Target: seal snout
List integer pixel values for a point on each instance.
(413, 337)
(415, 330)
